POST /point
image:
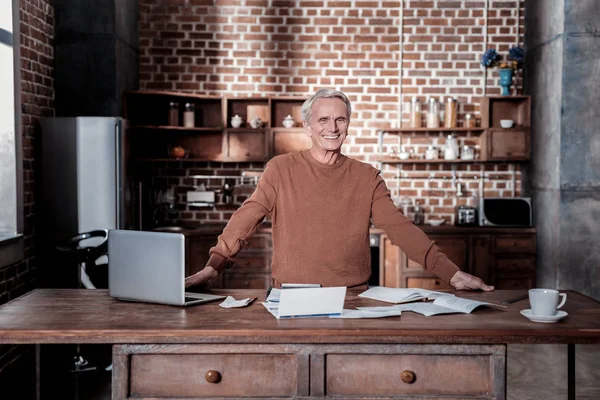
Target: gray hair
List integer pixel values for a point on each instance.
(324, 94)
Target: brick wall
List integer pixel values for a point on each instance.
(380, 53)
(37, 96)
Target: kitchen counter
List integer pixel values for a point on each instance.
(215, 229)
(430, 229)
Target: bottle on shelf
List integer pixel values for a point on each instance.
(188, 116)
(415, 113)
(173, 114)
(433, 117)
(451, 113)
(451, 149)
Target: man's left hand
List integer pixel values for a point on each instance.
(463, 281)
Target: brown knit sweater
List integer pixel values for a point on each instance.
(321, 215)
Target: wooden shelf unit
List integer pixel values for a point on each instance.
(496, 144)
(213, 138)
(449, 130)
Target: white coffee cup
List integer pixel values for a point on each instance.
(544, 302)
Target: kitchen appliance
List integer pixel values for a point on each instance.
(511, 211)
(85, 188)
(466, 216)
(85, 182)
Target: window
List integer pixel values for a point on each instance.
(11, 204)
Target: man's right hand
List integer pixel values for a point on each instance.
(202, 278)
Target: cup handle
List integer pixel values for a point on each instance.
(564, 298)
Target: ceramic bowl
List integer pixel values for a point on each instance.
(436, 222)
(506, 123)
(403, 155)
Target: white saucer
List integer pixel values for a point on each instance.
(544, 319)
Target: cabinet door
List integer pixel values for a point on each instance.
(389, 263)
(413, 273)
(508, 144)
(197, 248)
(290, 140)
(454, 246)
(480, 257)
(233, 280)
(246, 145)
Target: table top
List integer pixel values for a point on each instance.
(91, 316)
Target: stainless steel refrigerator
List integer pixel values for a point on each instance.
(84, 176)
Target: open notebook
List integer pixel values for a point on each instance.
(441, 305)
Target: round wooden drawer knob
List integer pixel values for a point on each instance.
(213, 376)
(408, 376)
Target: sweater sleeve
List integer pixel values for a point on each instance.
(404, 234)
(245, 220)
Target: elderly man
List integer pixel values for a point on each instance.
(321, 204)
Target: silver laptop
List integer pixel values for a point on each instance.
(150, 267)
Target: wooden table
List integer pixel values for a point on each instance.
(206, 351)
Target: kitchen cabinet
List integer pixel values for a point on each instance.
(153, 134)
(506, 144)
(505, 259)
(252, 265)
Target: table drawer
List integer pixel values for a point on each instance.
(385, 375)
(514, 244)
(515, 264)
(187, 375)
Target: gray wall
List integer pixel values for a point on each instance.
(96, 55)
(563, 76)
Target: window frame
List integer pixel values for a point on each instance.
(12, 249)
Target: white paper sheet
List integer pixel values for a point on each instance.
(230, 302)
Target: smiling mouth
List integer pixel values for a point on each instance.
(331, 137)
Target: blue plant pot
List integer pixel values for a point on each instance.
(506, 76)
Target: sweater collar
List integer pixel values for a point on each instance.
(308, 156)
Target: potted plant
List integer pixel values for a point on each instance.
(491, 59)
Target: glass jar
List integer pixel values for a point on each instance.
(405, 206)
(451, 113)
(431, 153)
(173, 114)
(433, 118)
(468, 153)
(418, 216)
(188, 116)
(415, 113)
(469, 121)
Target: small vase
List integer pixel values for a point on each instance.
(506, 76)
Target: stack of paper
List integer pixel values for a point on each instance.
(306, 302)
(400, 295)
(316, 302)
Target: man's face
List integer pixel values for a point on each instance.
(328, 126)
